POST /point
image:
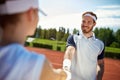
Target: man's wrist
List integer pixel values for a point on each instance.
(66, 64)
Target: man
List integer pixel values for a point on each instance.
(18, 19)
(84, 52)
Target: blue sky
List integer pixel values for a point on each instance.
(67, 13)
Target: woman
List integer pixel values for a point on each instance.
(18, 19)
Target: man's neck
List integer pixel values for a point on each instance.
(88, 35)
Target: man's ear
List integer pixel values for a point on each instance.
(94, 24)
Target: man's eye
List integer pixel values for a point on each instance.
(83, 21)
(89, 22)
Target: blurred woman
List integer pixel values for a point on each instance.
(18, 19)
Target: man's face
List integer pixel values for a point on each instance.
(87, 24)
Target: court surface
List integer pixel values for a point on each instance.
(112, 66)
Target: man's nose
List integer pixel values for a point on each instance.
(85, 24)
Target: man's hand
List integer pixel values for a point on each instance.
(66, 68)
(66, 64)
(69, 53)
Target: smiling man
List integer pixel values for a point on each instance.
(84, 52)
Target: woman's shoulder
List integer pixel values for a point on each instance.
(16, 54)
(17, 50)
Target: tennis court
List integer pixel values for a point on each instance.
(112, 66)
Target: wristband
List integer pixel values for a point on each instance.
(67, 63)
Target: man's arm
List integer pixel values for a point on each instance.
(68, 57)
(101, 72)
(70, 49)
(69, 52)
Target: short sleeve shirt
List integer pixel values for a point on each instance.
(70, 42)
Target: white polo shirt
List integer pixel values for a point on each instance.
(84, 61)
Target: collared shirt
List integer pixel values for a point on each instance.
(88, 51)
(16, 63)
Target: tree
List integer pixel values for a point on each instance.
(96, 31)
(66, 35)
(117, 37)
(60, 33)
(75, 31)
(109, 36)
(114, 44)
(52, 33)
(43, 34)
(106, 35)
(40, 31)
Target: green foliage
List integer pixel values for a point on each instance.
(106, 35)
(39, 45)
(75, 31)
(61, 34)
(59, 38)
(114, 44)
(112, 55)
(27, 44)
(61, 46)
(58, 48)
(117, 37)
(96, 31)
(54, 43)
(113, 50)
